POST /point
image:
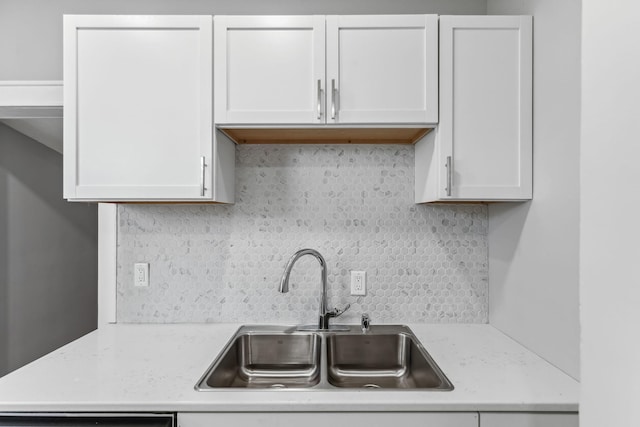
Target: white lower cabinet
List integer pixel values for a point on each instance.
(528, 419)
(379, 419)
(323, 419)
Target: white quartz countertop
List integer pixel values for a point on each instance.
(125, 368)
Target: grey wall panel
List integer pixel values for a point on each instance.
(534, 247)
(4, 320)
(49, 253)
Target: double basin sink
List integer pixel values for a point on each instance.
(278, 357)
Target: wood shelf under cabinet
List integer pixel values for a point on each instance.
(326, 135)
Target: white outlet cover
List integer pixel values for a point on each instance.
(358, 283)
(141, 274)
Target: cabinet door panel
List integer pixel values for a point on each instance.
(138, 107)
(524, 419)
(267, 69)
(486, 106)
(384, 69)
(323, 419)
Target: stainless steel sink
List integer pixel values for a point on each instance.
(387, 360)
(266, 359)
(279, 357)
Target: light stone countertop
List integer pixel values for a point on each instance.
(126, 367)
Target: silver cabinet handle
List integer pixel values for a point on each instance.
(203, 165)
(319, 99)
(449, 176)
(333, 99)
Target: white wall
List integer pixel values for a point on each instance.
(533, 247)
(610, 202)
(31, 30)
(48, 254)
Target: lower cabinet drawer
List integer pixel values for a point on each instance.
(324, 419)
(528, 419)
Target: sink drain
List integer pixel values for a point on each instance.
(371, 386)
(277, 386)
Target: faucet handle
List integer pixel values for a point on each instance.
(337, 312)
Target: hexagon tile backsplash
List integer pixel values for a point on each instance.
(353, 203)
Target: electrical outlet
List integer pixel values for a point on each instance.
(141, 274)
(358, 283)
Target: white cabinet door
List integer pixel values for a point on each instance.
(269, 69)
(525, 419)
(382, 69)
(324, 419)
(138, 108)
(483, 144)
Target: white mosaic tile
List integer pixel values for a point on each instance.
(353, 203)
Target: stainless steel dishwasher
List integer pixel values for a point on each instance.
(58, 419)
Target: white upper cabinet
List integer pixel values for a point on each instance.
(379, 69)
(482, 148)
(269, 69)
(139, 99)
(138, 121)
(382, 69)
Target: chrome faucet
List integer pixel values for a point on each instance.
(325, 315)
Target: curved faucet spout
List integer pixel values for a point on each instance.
(284, 281)
(325, 315)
